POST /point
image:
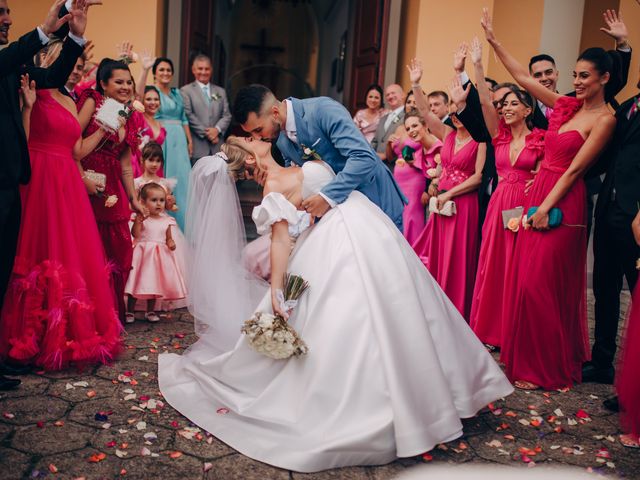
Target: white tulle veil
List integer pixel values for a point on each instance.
(222, 293)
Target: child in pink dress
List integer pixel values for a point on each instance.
(156, 271)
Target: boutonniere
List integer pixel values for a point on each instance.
(215, 96)
(308, 153)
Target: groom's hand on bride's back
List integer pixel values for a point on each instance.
(316, 206)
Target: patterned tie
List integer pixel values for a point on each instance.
(548, 112)
(205, 91)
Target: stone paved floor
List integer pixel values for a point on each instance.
(109, 422)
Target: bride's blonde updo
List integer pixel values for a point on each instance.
(236, 152)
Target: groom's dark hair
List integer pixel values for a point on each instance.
(250, 99)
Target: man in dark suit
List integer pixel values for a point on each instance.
(15, 168)
(615, 250)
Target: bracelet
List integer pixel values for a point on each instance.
(414, 85)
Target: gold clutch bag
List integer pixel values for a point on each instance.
(96, 177)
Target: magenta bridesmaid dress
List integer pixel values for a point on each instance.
(627, 384)
(449, 245)
(498, 243)
(545, 337)
(411, 177)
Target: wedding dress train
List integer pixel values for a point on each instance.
(392, 365)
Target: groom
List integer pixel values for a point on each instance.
(320, 129)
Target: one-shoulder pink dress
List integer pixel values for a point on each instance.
(545, 338)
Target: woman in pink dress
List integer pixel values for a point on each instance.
(627, 384)
(368, 118)
(113, 158)
(449, 244)
(151, 129)
(418, 156)
(519, 149)
(59, 308)
(545, 336)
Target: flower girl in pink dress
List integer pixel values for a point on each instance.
(156, 272)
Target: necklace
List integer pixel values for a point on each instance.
(463, 141)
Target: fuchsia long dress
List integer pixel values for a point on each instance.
(449, 245)
(498, 243)
(411, 177)
(59, 307)
(627, 383)
(545, 337)
(146, 135)
(113, 222)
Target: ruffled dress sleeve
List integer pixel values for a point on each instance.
(274, 208)
(87, 94)
(504, 134)
(535, 142)
(563, 111)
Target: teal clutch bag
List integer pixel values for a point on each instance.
(555, 216)
(407, 153)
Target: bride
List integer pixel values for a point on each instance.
(392, 365)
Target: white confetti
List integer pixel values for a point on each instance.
(121, 453)
(141, 425)
(81, 384)
(558, 412)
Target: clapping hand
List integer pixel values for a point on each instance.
(476, 50)
(616, 28)
(415, 71)
(457, 93)
(487, 25)
(52, 23)
(27, 92)
(78, 20)
(147, 59)
(125, 52)
(459, 57)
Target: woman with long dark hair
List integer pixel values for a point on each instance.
(367, 119)
(519, 149)
(112, 158)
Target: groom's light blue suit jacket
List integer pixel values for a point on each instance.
(326, 127)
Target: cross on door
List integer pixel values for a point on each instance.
(262, 50)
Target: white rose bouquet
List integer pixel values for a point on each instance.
(270, 334)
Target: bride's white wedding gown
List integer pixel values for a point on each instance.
(392, 365)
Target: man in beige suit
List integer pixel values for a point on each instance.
(207, 109)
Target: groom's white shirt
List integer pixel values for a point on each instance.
(291, 132)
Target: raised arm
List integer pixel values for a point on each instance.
(28, 99)
(146, 62)
(489, 113)
(517, 70)
(588, 153)
(434, 124)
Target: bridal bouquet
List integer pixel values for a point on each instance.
(270, 334)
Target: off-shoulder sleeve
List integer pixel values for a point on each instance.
(274, 208)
